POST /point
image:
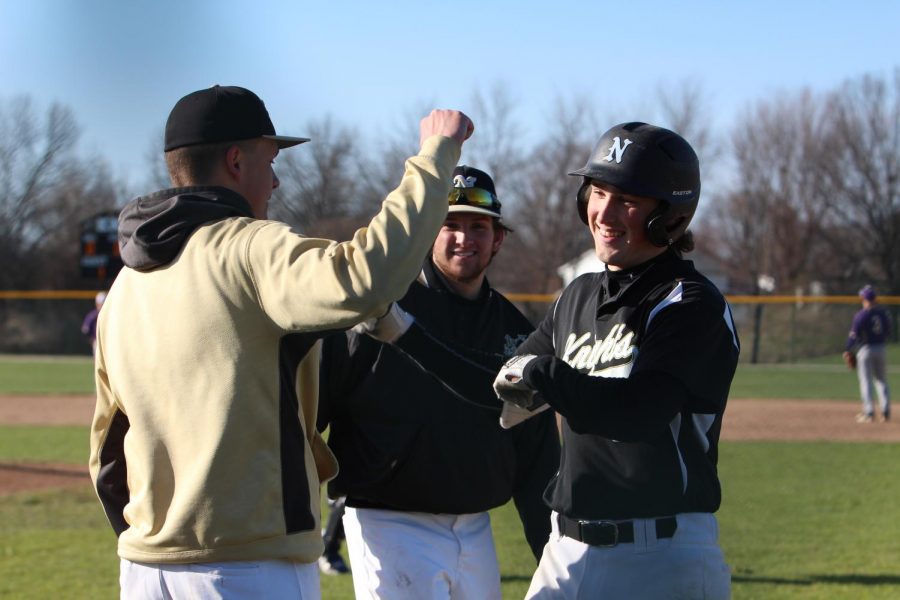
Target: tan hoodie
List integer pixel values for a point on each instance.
(203, 444)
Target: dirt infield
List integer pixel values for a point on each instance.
(745, 420)
(43, 410)
(20, 477)
(802, 421)
(46, 410)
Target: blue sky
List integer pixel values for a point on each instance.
(121, 65)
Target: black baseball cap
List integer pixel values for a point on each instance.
(221, 114)
(473, 192)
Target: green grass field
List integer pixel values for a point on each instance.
(798, 520)
(823, 378)
(46, 375)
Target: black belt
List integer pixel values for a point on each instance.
(610, 533)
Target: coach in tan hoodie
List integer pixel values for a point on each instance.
(202, 421)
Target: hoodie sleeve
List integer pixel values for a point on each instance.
(308, 284)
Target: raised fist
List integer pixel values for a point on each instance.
(449, 123)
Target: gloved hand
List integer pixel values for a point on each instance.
(387, 328)
(509, 385)
(512, 415)
(850, 359)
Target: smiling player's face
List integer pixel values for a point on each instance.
(618, 225)
(465, 246)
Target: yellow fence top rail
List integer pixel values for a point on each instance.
(734, 299)
(515, 297)
(48, 294)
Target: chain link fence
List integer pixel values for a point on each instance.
(772, 329)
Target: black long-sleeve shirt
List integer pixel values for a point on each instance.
(639, 363)
(415, 425)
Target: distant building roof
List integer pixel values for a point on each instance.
(586, 262)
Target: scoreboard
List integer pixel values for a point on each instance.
(100, 258)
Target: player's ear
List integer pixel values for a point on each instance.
(234, 157)
(499, 236)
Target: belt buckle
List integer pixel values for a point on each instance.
(588, 528)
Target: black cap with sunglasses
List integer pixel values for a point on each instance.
(473, 192)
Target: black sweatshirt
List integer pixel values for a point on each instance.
(408, 441)
(639, 362)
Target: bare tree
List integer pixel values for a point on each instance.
(684, 108)
(548, 229)
(45, 193)
(84, 190)
(770, 223)
(319, 180)
(498, 147)
(34, 156)
(860, 169)
(381, 166)
(157, 177)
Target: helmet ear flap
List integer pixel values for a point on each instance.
(582, 198)
(657, 232)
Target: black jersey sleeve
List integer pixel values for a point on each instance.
(631, 409)
(694, 342)
(346, 358)
(466, 372)
(541, 339)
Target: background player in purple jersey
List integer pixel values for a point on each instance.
(865, 352)
(89, 325)
(638, 360)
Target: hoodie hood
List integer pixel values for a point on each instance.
(152, 229)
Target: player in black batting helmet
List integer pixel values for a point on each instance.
(637, 360)
(645, 160)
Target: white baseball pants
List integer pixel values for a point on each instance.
(688, 565)
(419, 556)
(871, 368)
(238, 580)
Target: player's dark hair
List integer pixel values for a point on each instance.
(684, 244)
(196, 165)
(498, 224)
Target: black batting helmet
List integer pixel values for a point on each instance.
(649, 161)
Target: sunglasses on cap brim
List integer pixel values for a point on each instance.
(473, 197)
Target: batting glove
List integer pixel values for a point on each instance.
(512, 415)
(509, 385)
(387, 328)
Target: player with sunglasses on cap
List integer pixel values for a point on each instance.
(204, 451)
(423, 457)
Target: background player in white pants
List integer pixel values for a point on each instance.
(638, 360)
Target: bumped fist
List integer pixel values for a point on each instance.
(387, 328)
(509, 385)
(449, 123)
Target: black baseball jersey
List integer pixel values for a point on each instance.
(415, 425)
(639, 362)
